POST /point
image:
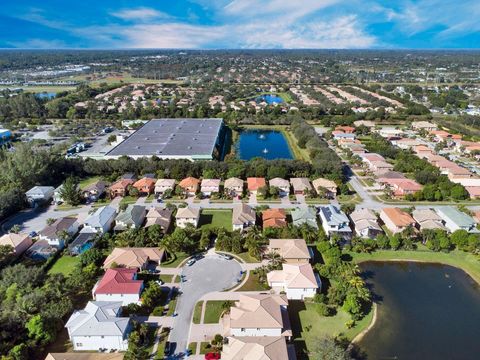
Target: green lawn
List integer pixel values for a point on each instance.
(128, 200)
(307, 324)
(161, 344)
(213, 310)
(463, 260)
(88, 181)
(253, 284)
(175, 260)
(66, 207)
(171, 307)
(64, 265)
(205, 347)
(286, 97)
(166, 278)
(197, 312)
(247, 258)
(192, 347)
(216, 219)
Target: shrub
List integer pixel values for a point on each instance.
(158, 311)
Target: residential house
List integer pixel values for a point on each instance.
(334, 221)
(233, 187)
(39, 195)
(255, 348)
(84, 356)
(120, 188)
(258, 315)
(297, 280)
(472, 185)
(304, 215)
(159, 216)
(428, 219)
(456, 220)
(187, 215)
(255, 183)
(82, 242)
(145, 186)
(243, 216)
(424, 125)
(134, 258)
(282, 185)
(301, 186)
(189, 185)
(210, 186)
(365, 223)
(129, 176)
(292, 251)
(337, 135)
(99, 327)
(130, 218)
(274, 218)
(19, 242)
(401, 187)
(94, 191)
(163, 185)
(57, 197)
(324, 187)
(119, 285)
(396, 220)
(100, 221)
(346, 129)
(59, 232)
(41, 250)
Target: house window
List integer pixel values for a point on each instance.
(102, 336)
(79, 344)
(258, 329)
(242, 329)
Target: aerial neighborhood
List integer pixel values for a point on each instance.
(223, 205)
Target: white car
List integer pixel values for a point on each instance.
(191, 262)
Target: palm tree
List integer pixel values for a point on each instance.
(275, 259)
(226, 305)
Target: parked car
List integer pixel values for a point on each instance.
(168, 349)
(33, 234)
(191, 262)
(225, 256)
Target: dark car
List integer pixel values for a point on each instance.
(168, 349)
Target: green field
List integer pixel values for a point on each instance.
(175, 260)
(88, 181)
(463, 260)
(308, 325)
(197, 312)
(253, 284)
(216, 219)
(47, 89)
(64, 265)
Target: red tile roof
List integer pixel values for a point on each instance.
(255, 183)
(119, 281)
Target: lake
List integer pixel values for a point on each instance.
(425, 311)
(268, 144)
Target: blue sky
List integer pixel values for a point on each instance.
(212, 24)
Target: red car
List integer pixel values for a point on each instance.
(212, 356)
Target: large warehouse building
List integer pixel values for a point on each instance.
(191, 139)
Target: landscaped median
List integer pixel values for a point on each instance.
(469, 263)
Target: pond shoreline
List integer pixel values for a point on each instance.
(362, 333)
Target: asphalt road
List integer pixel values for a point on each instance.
(209, 274)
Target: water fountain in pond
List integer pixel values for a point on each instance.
(265, 151)
(262, 136)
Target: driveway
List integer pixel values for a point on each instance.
(209, 274)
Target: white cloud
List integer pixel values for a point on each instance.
(142, 14)
(39, 44)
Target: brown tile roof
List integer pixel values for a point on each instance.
(255, 183)
(398, 217)
(189, 182)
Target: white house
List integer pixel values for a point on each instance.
(258, 315)
(163, 185)
(58, 233)
(101, 220)
(243, 216)
(210, 186)
(365, 223)
(457, 220)
(187, 215)
(39, 194)
(281, 184)
(334, 221)
(298, 281)
(99, 326)
(119, 284)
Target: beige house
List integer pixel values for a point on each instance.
(19, 242)
(159, 216)
(234, 186)
(291, 250)
(297, 280)
(163, 185)
(84, 356)
(187, 215)
(428, 219)
(258, 315)
(325, 187)
(134, 258)
(243, 216)
(210, 186)
(281, 184)
(255, 348)
(300, 185)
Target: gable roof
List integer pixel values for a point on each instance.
(290, 248)
(133, 257)
(295, 276)
(300, 184)
(233, 182)
(165, 183)
(101, 216)
(54, 230)
(144, 182)
(333, 215)
(210, 183)
(363, 214)
(119, 281)
(274, 218)
(98, 186)
(258, 311)
(44, 190)
(189, 182)
(255, 348)
(132, 215)
(188, 213)
(456, 216)
(99, 318)
(255, 183)
(279, 182)
(159, 216)
(121, 184)
(304, 216)
(15, 239)
(242, 214)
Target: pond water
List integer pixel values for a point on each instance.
(270, 99)
(425, 311)
(268, 144)
(46, 95)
